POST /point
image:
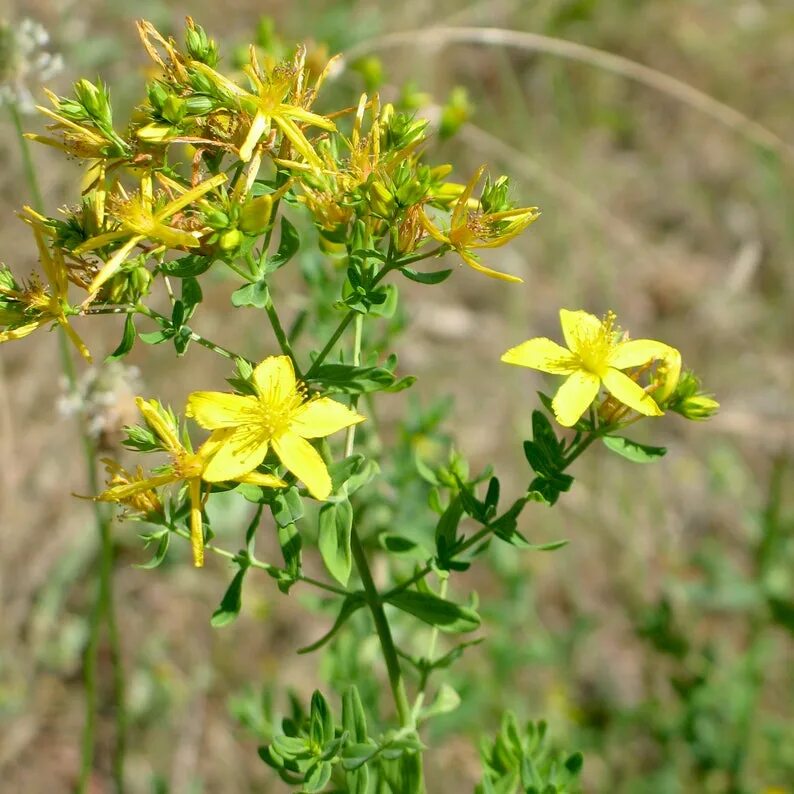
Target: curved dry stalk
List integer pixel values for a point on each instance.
(616, 64)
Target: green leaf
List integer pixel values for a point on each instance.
(187, 267)
(446, 700)
(433, 277)
(256, 294)
(191, 296)
(231, 602)
(336, 522)
(321, 720)
(127, 339)
(398, 544)
(287, 248)
(350, 605)
(631, 450)
(317, 776)
(155, 337)
(349, 379)
(436, 611)
(159, 555)
(354, 720)
(356, 755)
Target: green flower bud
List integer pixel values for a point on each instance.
(230, 240)
(255, 215)
(199, 46)
(689, 401)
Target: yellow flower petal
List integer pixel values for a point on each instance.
(196, 530)
(577, 326)
(241, 450)
(321, 417)
(298, 140)
(543, 354)
(303, 460)
(637, 352)
(75, 339)
(215, 409)
(20, 331)
(432, 229)
(630, 393)
(266, 480)
(189, 196)
(275, 378)
(574, 397)
(113, 264)
(472, 262)
(258, 128)
(120, 493)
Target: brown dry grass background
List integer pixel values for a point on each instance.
(650, 207)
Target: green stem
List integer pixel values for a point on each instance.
(103, 607)
(329, 345)
(281, 336)
(373, 598)
(375, 603)
(262, 566)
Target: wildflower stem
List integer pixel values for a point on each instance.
(281, 336)
(103, 608)
(373, 598)
(352, 314)
(262, 566)
(329, 345)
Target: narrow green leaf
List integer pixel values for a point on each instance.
(448, 616)
(432, 277)
(349, 606)
(631, 450)
(287, 248)
(159, 555)
(187, 267)
(336, 522)
(354, 720)
(127, 339)
(231, 602)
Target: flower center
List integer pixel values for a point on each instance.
(593, 347)
(276, 414)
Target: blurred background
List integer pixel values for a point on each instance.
(659, 642)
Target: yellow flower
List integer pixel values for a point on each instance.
(473, 228)
(185, 466)
(596, 354)
(268, 105)
(279, 416)
(139, 220)
(24, 309)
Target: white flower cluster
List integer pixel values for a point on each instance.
(24, 60)
(105, 396)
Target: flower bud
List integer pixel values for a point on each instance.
(230, 240)
(255, 214)
(199, 46)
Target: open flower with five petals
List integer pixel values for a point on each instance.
(596, 356)
(185, 466)
(472, 227)
(279, 417)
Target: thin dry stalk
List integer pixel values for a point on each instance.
(439, 37)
